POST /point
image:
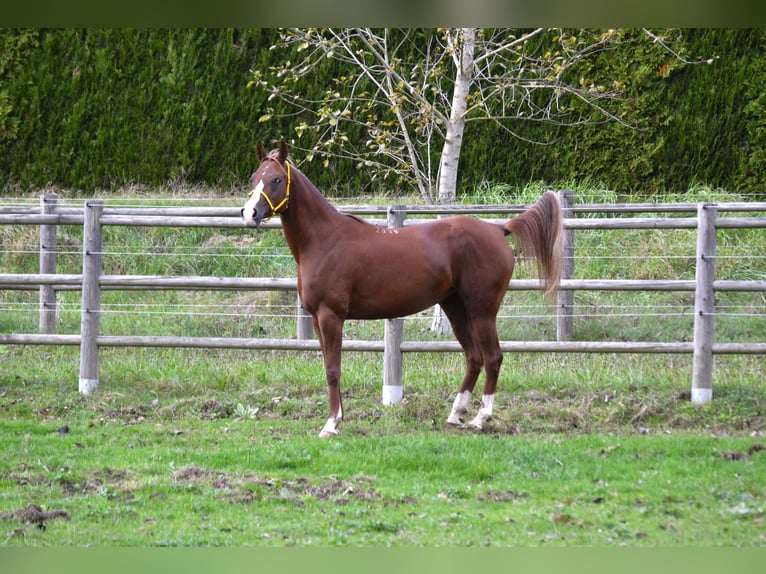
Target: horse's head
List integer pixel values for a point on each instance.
(271, 186)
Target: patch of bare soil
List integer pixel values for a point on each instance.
(247, 487)
(116, 480)
(644, 411)
(501, 495)
(34, 514)
(212, 410)
(129, 414)
(739, 455)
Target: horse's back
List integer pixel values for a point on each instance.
(396, 272)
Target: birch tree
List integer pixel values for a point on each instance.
(462, 52)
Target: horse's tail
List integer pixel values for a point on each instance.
(538, 232)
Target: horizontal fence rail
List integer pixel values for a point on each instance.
(94, 216)
(364, 346)
(205, 283)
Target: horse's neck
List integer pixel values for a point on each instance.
(309, 219)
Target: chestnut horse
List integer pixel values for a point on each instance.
(351, 269)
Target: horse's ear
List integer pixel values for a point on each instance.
(282, 151)
(260, 153)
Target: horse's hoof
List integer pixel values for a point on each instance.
(478, 424)
(328, 433)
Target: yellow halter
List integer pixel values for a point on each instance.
(281, 204)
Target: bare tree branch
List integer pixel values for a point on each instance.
(410, 91)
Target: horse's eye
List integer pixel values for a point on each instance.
(277, 180)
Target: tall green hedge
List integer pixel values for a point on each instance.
(100, 108)
(15, 46)
(97, 109)
(688, 124)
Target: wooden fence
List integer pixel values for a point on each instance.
(94, 216)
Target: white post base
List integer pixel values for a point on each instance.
(392, 394)
(87, 386)
(702, 396)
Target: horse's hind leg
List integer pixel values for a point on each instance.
(486, 329)
(461, 327)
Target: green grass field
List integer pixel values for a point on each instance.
(219, 448)
(209, 457)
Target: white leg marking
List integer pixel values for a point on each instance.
(248, 212)
(485, 412)
(459, 407)
(331, 426)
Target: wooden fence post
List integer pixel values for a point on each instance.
(305, 322)
(48, 250)
(565, 298)
(90, 322)
(704, 305)
(393, 334)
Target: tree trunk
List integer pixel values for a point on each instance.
(454, 135)
(464, 62)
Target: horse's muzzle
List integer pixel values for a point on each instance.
(251, 220)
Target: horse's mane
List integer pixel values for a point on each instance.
(273, 155)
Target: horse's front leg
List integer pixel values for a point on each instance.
(330, 332)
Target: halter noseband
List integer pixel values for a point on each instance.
(282, 204)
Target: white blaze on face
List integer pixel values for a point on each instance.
(248, 212)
